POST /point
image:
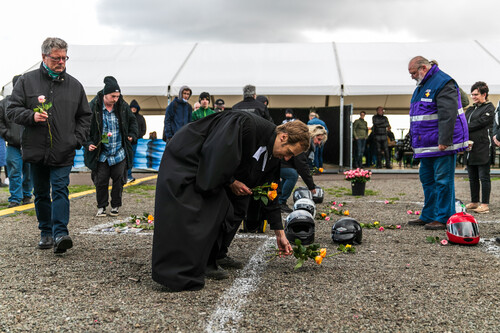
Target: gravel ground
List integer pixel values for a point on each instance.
(395, 282)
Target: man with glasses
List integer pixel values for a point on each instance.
(53, 108)
(438, 130)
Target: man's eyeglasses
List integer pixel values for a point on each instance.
(57, 59)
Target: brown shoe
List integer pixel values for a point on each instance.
(472, 205)
(482, 209)
(417, 222)
(435, 226)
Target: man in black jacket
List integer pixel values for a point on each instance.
(141, 128)
(108, 152)
(250, 104)
(20, 185)
(51, 135)
(379, 129)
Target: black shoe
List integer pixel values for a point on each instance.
(114, 211)
(130, 180)
(417, 222)
(498, 240)
(13, 204)
(228, 262)
(216, 273)
(62, 244)
(285, 209)
(26, 200)
(435, 226)
(46, 242)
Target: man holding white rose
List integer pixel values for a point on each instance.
(52, 106)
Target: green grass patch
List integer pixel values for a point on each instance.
(393, 199)
(401, 194)
(80, 188)
(140, 189)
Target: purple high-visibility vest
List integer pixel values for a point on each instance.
(424, 128)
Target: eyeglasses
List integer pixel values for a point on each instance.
(57, 59)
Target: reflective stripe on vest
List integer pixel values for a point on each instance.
(431, 116)
(436, 149)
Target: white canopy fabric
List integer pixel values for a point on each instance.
(293, 69)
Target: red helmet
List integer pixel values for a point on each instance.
(462, 228)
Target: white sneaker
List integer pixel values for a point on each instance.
(101, 212)
(6, 181)
(114, 211)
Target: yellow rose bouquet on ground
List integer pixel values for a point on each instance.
(265, 192)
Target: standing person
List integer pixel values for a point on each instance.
(111, 157)
(20, 185)
(318, 153)
(360, 133)
(480, 117)
(177, 114)
(204, 188)
(219, 105)
(263, 99)
(289, 116)
(438, 131)
(318, 137)
(250, 104)
(51, 137)
(379, 129)
(203, 110)
(141, 130)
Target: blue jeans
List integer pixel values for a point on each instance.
(52, 215)
(360, 150)
(437, 175)
(20, 184)
(129, 171)
(289, 177)
(318, 156)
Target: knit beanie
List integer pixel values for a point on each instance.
(110, 85)
(134, 104)
(204, 95)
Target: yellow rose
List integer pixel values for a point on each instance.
(150, 217)
(322, 253)
(318, 259)
(348, 246)
(274, 186)
(320, 169)
(346, 213)
(376, 223)
(323, 214)
(272, 194)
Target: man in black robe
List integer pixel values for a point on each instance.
(204, 185)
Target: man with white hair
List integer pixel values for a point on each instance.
(250, 104)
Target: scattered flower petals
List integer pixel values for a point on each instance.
(398, 226)
(409, 212)
(417, 212)
(444, 242)
(381, 229)
(386, 202)
(327, 218)
(340, 205)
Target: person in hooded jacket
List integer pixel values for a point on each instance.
(177, 114)
(480, 121)
(141, 128)
(113, 130)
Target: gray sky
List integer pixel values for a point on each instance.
(26, 23)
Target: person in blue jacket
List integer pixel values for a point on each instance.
(318, 153)
(178, 113)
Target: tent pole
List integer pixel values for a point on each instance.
(341, 130)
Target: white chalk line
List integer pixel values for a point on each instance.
(97, 230)
(227, 314)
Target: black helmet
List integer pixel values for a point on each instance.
(319, 195)
(301, 192)
(305, 204)
(300, 225)
(347, 231)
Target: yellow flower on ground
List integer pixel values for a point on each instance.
(323, 214)
(376, 223)
(318, 259)
(322, 252)
(346, 213)
(150, 217)
(272, 194)
(348, 246)
(320, 169)
(274, 186)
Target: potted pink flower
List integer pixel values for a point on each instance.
(358, 178)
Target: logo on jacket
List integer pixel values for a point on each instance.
(427, 93)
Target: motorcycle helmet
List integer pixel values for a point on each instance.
(459, 206)
(301, 192)
(462, 228)
(319, 195)
(300, 225)
(347, 231)
(305, 204)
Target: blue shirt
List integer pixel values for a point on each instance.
(112, 151)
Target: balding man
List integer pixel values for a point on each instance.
(439, 131)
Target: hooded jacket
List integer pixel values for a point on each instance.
(69, 117)
(177, 114)
(9, 130)
(141, 122)
(127, 124)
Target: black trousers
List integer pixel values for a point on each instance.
(479, 173)
(101, 176)
(382, 146)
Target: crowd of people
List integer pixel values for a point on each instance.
(214, 158)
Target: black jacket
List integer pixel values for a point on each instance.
(141, 124)
(379, 129)
(300, 164)
(69, 117)
(480, 121)
(249, 104)
(10, 131)
(128, 127)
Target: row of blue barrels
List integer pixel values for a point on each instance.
(147, 156)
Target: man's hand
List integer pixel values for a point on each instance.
(496, 141)
(238, 188)
(40, 116)
(442, 147)
(129, 138)
(313, 191)
(92, 147)
(283, 244)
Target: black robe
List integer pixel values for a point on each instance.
(192, 208)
